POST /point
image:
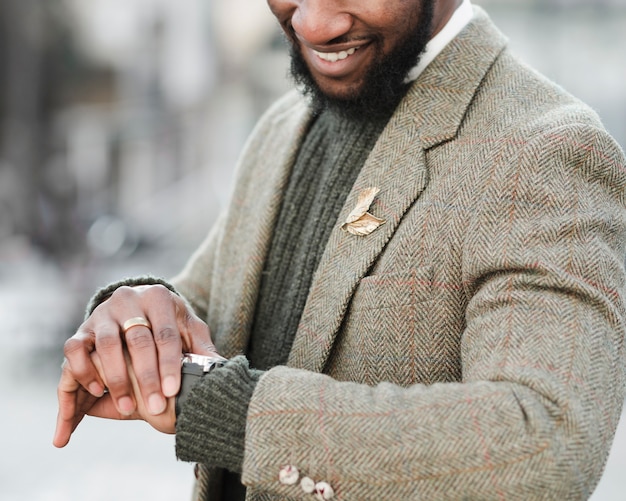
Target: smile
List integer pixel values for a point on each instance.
(335, 56)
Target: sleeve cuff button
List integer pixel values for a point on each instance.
(308, 485)
(288, 475)
(323, 491)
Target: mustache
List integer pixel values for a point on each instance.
(291, 37)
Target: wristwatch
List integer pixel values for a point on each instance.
(193, 368)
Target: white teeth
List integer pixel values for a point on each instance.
(335, 56)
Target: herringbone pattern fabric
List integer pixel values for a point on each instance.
(472, 347)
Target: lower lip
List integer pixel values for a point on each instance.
(339, 69)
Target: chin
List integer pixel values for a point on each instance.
(342, 92)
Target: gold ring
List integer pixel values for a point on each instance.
(135, 322)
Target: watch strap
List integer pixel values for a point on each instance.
(191, 373)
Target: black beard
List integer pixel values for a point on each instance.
(384, 83)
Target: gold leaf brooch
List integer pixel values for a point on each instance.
(360, 222)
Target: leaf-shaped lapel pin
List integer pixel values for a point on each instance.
(359, 221)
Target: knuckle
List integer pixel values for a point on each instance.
(108, 341)
(193, 321)
(123, 293)
(166, 335)
(160, 289)
(117, 382)
(148, 378)
(139, 340)
(66, 372)
(181, 309)
(120, 297)
(73, 345)
(169, 362)
(157, 292)
(199, 326)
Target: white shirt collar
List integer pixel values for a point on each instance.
(461, 17)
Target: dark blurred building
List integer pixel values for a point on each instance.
(41, 74)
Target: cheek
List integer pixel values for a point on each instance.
(389, 23)
(401, 28)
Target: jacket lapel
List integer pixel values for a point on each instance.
(430, 114)
(248, 229)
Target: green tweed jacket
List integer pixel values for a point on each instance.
(471, 347)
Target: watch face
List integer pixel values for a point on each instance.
(205, 361)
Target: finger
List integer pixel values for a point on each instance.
(66, 426)
(169, 345)
(113, 366)
(105, 407)
(143, 357)
(77, 350)
(73, 403)
(66, 416)
(64, 429)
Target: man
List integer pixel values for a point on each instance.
(423, 264)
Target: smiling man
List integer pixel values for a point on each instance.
(418, 286)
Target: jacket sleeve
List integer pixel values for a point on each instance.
(542, 355)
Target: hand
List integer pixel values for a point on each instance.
(154, 355)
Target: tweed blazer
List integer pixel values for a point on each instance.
(471, 347)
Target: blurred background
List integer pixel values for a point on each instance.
(120, 123)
